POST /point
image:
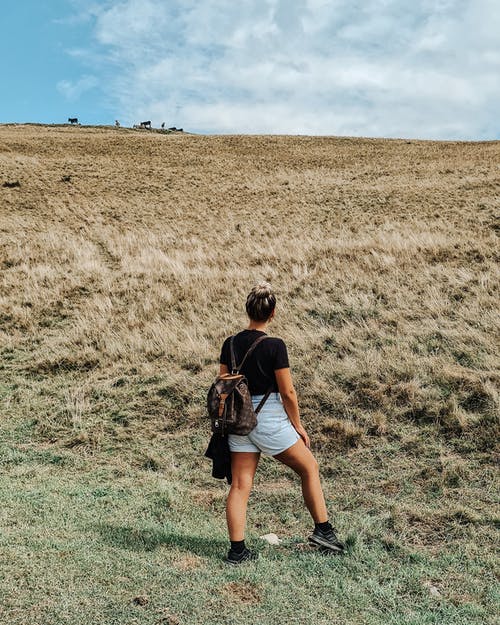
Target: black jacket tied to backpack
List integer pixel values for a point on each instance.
(218, 452)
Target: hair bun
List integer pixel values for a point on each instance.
(260, 302)
(263, 289)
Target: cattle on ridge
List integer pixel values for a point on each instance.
(147, 125)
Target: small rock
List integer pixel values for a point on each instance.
(433, 590)
(272, 539)
(140, 600)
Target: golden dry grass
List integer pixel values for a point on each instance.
(384, 255)
(119, 284)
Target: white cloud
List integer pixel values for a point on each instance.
(73, 90)
(352, 67)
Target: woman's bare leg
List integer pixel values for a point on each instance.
(243, 467)
(299, 458)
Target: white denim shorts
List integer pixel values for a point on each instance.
(273, 433)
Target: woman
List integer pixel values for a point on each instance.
(278, 433)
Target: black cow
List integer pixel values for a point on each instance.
(146, 125)
(73, 120)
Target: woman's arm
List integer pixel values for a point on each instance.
(290, 402)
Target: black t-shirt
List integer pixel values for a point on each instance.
(259, 367)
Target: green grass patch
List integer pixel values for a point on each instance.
(89, 538)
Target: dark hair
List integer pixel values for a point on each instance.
(260, 302)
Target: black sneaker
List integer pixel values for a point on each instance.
(236, 558)
(327, 540)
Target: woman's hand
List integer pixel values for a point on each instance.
(303, 435)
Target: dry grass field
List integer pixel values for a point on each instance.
(126, 257)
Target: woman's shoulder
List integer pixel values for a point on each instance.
(277, 340)
(275, 345)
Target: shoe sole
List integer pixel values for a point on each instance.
(236, 562)
(232, 563)
(319, 542)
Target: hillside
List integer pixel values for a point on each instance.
(126, 258)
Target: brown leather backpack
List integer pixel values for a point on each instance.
(229, 402)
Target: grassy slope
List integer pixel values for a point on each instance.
(118, 287)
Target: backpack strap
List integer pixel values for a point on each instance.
(233, 360)
(263, 400)
(236, 369)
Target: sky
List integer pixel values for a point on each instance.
(425, 69)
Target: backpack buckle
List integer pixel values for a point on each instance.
(222, 402)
